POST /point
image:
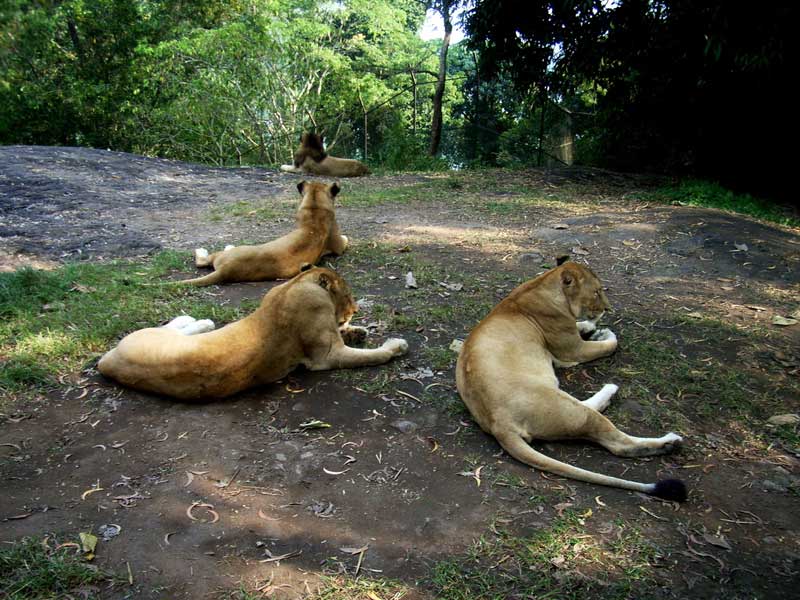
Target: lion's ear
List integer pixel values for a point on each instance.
(305, 267)
(324, 281)
(301, 186)
(560, 260)
(335, 189)
(567, 278)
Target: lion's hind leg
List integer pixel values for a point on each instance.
(580, 420)
(601, 399)
(202, 258)
(186, 325)
(179, 322)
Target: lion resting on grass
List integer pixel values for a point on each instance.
(304, 321)
(317, 234)
(505, 377)
(312, 159)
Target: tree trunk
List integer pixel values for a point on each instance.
(436, 122)
(364, 109)
(414, 107)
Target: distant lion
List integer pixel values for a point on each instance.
(316, 235)
(312, 159)
(505, 377)
(305, 321)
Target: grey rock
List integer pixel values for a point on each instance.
(404, 426)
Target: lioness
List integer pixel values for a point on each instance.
(312, 159)
(304, 321)
(317, 234)
(505, 376)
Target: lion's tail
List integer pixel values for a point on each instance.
(668, 489)
(212, 278)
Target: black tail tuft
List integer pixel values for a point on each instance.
(670, 489)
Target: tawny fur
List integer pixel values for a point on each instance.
(316, 235)
(301, 322)
(311, 159)
(506, 378)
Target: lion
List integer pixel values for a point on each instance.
(312, 159)
(305, 321)
(316, 235)
(506, 378)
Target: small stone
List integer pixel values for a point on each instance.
(771, 486)
(404, 426)
(785, 419)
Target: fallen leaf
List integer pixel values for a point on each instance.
(717, 540)
(314, 424)
(740, 247)
(208, 507)
(86, 494)
(355, 550)
(88, 544)
(282, 556)
(453, 287)
(410, 281)
(580, 250)
(456, 345)
(561, 507)
(334, 472)
(783, 321)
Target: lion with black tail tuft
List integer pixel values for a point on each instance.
(506, 378)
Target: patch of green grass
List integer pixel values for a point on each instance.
(53, 322)
(29, 570)
(708, 194)
(263, 211)
(563, 561)
(439, 358)
(345, 588)
(691, 365)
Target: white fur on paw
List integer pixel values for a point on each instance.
(396, 346)
(201, 326)
(586, 326)
(229, 247)
(603, 335)
(200, 253)
(180, 322)
(671, 441)
(610, 389)
(290, 169)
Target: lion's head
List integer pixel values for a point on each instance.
(317, 195)
(311, 146)
(583, 291)
(344, 304)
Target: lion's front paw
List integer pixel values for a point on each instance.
(586, 327)
(671, 441)
(354, 335)
(603, 335)
(396, 346)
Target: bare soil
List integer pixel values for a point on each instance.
(279, 488)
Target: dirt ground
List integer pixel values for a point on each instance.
(389, 471)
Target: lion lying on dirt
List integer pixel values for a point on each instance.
(505, 377)
(317, 234)
(312, 159)
(304, 321)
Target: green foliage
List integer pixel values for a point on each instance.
(32, 570)
(695, 192)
